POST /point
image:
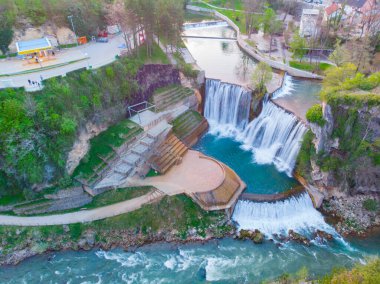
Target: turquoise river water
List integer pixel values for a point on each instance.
(226, 260)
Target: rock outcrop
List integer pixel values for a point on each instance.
(294, 236)
(256, 236)
(343, 159)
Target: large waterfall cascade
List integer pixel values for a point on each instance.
(275, 136)
(227, 107)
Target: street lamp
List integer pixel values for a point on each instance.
(70, 17)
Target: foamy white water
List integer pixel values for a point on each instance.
(295, 213)
(286, 89)
(204, 24)
(274, 137)
(227, 107)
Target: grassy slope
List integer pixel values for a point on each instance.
(75, 98)
(309, 67)
(177, 213)
(237, 17)
(102, 145)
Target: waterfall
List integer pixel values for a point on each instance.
(227, 107)
(204, 24)
(286, 88)
(275, 136)
(296, 213)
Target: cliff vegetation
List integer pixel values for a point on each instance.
(37, 130)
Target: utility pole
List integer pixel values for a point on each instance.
(70, 17)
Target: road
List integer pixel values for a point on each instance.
(97, 54)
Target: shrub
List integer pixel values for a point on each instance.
(370, 204)
(315, 115)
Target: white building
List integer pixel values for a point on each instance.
(309, 22)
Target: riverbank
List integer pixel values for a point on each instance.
(174, 218)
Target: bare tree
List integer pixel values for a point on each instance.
(252, 7)
(117, 14)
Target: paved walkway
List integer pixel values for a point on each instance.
(97, 54)
(84, 215)
(196, 173)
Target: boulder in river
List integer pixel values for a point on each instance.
(256, 236)
(323, 235)
(298, 238)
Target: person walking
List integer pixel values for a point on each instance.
(30, 82)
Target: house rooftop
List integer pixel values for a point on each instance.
(332, 8)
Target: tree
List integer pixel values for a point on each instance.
(298, 46)
(6, 35)
(270, 25)
(340, 54)
(370, 18)
(252, 8)
(360, 53)
(289, 6)
(261, 75)
(7, 18)
(335, 76)
(117, 14)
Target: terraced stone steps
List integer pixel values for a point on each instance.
(171, 97)
(168, 154)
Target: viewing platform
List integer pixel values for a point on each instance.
(211, 184)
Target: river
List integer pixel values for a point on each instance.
(266, 168)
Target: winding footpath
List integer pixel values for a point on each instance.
(84, 215)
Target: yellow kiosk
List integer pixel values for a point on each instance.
(36, 50)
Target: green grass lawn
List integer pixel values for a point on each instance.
(158, 55)
(227, 4)
(12, 199)
(309, 67)
(117, 195)
(114, 136)
(152, 173)
(198, 17)
(236, 16)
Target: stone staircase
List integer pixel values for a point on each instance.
(134, 160)
(168, 154)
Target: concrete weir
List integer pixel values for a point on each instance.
(273, 197)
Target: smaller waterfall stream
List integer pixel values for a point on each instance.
(275, 136)
(296, 213)
(286, 89)
(227, 107)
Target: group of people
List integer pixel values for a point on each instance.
(35, 83)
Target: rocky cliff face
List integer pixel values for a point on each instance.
(347, 150)
(343, 162)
